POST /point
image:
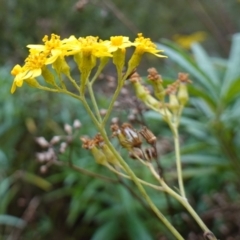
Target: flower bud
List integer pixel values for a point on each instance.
(183, 94)
(173, 103)
(98, 155)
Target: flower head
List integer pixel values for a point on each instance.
(31, 69)
(53, 48)
(143, 45)
(118, 42)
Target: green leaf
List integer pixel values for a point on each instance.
(205, 64)
(136, 228)
(233, 66)
(233, 91)
(203, 160)
(36, 180)
(107, 231)
(12, 221)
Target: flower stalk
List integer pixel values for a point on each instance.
(168, 102)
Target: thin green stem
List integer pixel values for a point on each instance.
(73, 82)
(189, 208)
(140, 180)
(94, 102)
(184, 202)
(121, 81)
(102, 64)
(109, 110)
(178, 162)
(131, 174)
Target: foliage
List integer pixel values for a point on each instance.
(211, 142)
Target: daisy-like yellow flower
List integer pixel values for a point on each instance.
(31, 69)
(145, 45)
(117, 42)
(89, 46)
(52, 47)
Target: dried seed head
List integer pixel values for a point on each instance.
(40, 157)
(42, 142)
(55, 140)
(136, 153)
(148, 136)
(77, 124)
(68, 129)
(150, 153)
(135, 77)
(183, 77)
(103, 112)
(115, 120)
(43, 169)
(154, 76)
(131, 135)
(87, 142)
(63, 147)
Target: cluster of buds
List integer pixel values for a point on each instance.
(168, 106)
(132, 140)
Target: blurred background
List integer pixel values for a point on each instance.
(54, 202)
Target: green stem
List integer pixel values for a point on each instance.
(73, 82)
(93, 100)
(189, 208)
(116, 93)
(121, 81)
(178, 162)
(131, 174)
(159, 188)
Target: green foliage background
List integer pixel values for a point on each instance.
(70, 205)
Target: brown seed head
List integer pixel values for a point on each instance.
(148, 136)
(131, 135)
(135, 77)
(153, 75)
(183, 77)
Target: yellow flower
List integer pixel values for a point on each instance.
(143, 45)
(52, 47)
(186, 41)
(31, 69)
(117, 42)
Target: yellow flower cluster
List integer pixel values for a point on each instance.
(85, 52)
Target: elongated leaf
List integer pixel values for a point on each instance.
(233, 91)
(107, 231)
(36, 180)
(203, 160)
(205, 64)
(12, 221)
(136, 228)
(233, 67)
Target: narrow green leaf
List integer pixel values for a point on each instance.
(233, 91)
(205, 64)
(233, 69)
(12, 221)
(36, 180)
(203, 160)
(107, 231)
